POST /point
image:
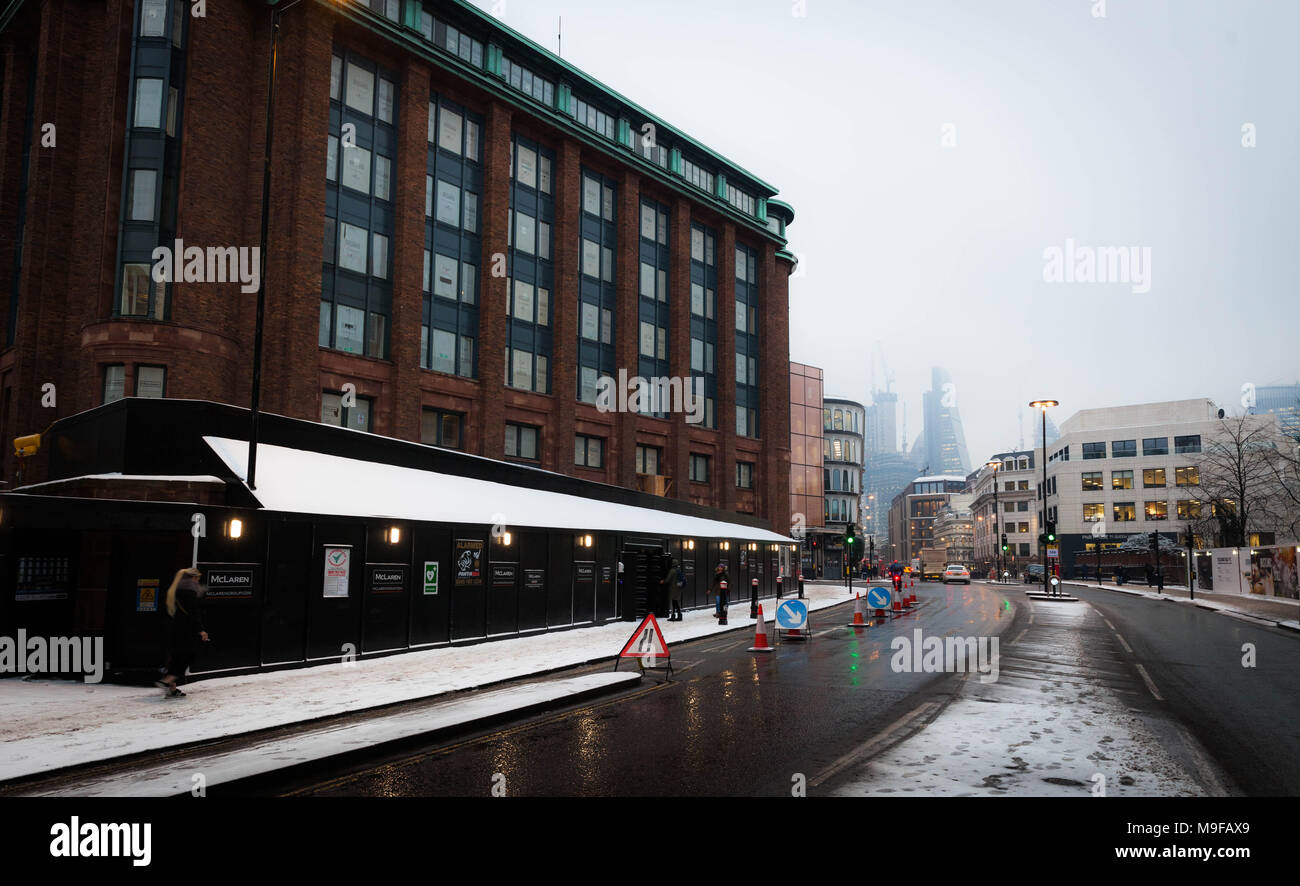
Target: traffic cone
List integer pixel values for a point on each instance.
(859, 613)
(897, 595)
(760, 634)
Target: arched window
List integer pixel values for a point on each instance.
(838, 423)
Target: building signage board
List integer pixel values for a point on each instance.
(534, 579)
(338, 569)
(1053, 552)
(228, 580)
(386, 578)
(469, 562)
(430, 578)
(504, 575)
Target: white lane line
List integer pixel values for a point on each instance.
(879, 740)
(1146, 678)
(1018, 636)
(1127, 648)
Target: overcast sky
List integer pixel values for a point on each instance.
(1117, 131)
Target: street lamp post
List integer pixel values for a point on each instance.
(1043, 406)
(997, 539)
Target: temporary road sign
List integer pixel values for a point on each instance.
(647, 644)
(1053, 552)
(792, 615)
(878, 597)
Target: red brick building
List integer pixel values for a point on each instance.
(465, 232)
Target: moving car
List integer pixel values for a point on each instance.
(1034, 574)
(956, 573)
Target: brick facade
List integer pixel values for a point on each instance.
(66, 332)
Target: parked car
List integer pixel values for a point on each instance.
(956, 573)
(1033, 574)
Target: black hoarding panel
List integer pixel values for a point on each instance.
(431, 591)
(284, 609)
(534, 561)
(559, 588)
(468, 575)
(503, 597)
(334, 598)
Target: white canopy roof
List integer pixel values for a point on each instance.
(307, 482)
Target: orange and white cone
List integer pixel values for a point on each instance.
(859, 613)
(760, 634)
(897, 595)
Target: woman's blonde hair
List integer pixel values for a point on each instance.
(171, 589)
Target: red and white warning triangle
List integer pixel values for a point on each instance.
(647, 641)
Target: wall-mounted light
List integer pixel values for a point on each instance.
(505, 539)
(393, 535)
(235, 528)
(690, 544)
(585, 541)
(726, 545)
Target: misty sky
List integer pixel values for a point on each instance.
(1116, 131)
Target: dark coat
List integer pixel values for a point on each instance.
(674, 592)
(187, 623)
(715, 584)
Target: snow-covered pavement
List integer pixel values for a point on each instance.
(46, 725)
(175, 779)
(1060, 721)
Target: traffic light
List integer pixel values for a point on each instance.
(1155, 541)
(1042, 539)
(849, 536)
(1051, 532)
(1005, 546)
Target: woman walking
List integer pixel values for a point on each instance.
(183, 606)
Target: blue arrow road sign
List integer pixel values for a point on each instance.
(792, 615)
(878, 598)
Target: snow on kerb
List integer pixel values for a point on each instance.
(301, 481)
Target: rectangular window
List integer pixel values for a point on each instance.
(1091, 480)
(1024, 527)
(744, 475)
(1187, 445)
(1009, 507)
(1157, 510)
(1189, 509)
(1022, 506)
(114, 382)
(333, 412)
(699, 468)
(1094, 450)
(448, 203)
(521, 441)
(153, 18)
(1153, 478)
(1155, 446)
(647, 459)
(151, 381)
(1094, 513)
(1123, 449)
(148, 103)
(588, 452)
(1121, 479)
(439, 428)
(360, 94)
(349, 324)
(1125, 511)
(141, 194)
(1187, 476)
(353, 254)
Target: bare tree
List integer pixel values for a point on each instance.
(1285, 508)
(1238, 484)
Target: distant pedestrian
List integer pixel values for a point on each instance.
(1151, 576)
(184, 606)
(720, 593)
(1120, 575)
(673, 582)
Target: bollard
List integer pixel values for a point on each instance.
(753, 598)
(801, 586)
(778, 587)
(722, 602)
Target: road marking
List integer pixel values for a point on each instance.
(1146, 678)
(875, 743)
(1018, 636)
(1127, 648)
